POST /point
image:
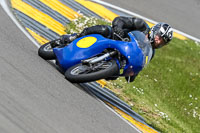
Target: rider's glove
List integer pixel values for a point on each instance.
(119, 32)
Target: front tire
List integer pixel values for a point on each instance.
(83, 73)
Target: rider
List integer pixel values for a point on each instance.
(159, 35)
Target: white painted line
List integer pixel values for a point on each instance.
(112, 110)
(10, 14)
(142, 17)
(130, 124)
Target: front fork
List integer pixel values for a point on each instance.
(113, 54)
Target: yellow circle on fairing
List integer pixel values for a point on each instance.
(86, 42)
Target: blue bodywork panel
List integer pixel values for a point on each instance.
(73, 53)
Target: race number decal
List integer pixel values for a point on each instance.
(147, 58)
(86, 42)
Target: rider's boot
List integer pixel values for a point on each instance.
(65, 39)
(55, 43)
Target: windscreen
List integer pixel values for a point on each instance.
(144, 44)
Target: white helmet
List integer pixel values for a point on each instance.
(163, 30)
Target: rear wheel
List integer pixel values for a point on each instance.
(84, 73)
(46, 52)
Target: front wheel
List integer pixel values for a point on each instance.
(81, 73)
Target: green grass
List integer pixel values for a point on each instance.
(166, 92)
(169, 84)
(77, 25)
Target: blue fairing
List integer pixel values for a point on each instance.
(73, 54)
(132, 53)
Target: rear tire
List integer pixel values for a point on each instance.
(80, 74)
(46, 52)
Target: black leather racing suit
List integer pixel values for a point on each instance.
(120, 25)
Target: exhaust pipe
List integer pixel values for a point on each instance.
(102, 57)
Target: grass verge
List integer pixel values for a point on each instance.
(167, 92)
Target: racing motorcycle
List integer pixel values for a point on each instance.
(93, 57)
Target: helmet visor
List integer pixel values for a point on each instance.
(159, 41)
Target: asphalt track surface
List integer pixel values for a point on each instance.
(183, 15)
(35, 97)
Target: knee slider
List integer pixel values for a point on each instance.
(139, 23)
(105, 31)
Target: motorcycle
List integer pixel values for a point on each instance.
(93, 57)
